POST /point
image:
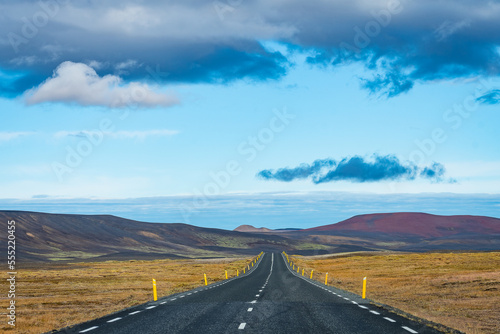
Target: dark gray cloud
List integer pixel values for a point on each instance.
(399, 42)
(491, 97)
(356, 169)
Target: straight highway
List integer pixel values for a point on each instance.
(268, 299)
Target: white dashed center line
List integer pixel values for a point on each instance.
(115, 319)
(389, 319)
(89, 329)
(132, 313)
(149, 308)
(409, 329)
(375, 312)
(242, 325)
(250, 309)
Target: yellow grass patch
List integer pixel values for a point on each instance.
(459, 290)
(58, 295)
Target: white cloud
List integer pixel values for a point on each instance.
(79, 83)
(123, 66)
(6, 136)
(140, 135)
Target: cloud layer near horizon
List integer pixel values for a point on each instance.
(398, 42)
(355, 169)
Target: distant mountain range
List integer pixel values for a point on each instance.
(62, 237)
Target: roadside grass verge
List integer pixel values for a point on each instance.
(53, 296)
(459, 290)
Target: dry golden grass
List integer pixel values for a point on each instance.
(60, 295)
(459, 290)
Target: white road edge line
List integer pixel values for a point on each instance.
(242, 325)
(89, 329)
(319, 286)
(113, 320)
(409, 329)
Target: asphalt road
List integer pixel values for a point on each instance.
(269, 299)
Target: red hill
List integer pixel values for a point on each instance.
(416, 224)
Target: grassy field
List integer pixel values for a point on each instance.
(459, 290)
(53, 296)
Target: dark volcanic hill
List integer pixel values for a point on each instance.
(41, 237)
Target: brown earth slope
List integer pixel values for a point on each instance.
(41, 237)
(250, 228)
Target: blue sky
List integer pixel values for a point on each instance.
(185, 100)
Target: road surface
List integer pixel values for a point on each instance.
(268, 299)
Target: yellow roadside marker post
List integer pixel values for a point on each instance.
(298, 269)
(311, 274)
(302, 272)
(205, 275)
(155, 295)
(326, 279)
(244, 270)
(237, 273)
(226, 273)
(364, 288)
